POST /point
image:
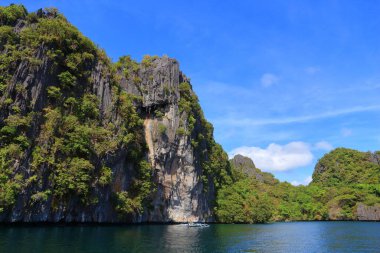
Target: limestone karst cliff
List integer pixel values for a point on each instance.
(83, 139)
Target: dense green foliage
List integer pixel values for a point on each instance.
(342, 179)
(10, 14)
(243, 203)
(346, 166)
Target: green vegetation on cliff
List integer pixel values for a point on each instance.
(64, 134)
(214, 160)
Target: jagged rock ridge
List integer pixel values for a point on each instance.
(246, 166)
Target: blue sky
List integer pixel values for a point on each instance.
(281, 81)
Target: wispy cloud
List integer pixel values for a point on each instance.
(346, 132)
(296, 119)
(221, 88)
(312, 70)
(268, 79)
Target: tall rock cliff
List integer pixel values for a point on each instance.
(174, 126)
(86, 140)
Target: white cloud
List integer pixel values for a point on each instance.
(299, 119)
(278, 157)
(346, 132)
(324, 145)
(311, 70)
(306, 181)
(268, 80)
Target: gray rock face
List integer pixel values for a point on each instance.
(240, 161)
(180, 196)
(247, 167)
(368, 213)
(157, 82)
(375, 158)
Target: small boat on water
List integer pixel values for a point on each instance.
(197, 225)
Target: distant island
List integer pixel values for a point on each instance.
(85, 139)
(345, 186)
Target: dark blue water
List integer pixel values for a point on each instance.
(277, 237)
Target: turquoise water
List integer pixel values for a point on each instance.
(276, 237)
